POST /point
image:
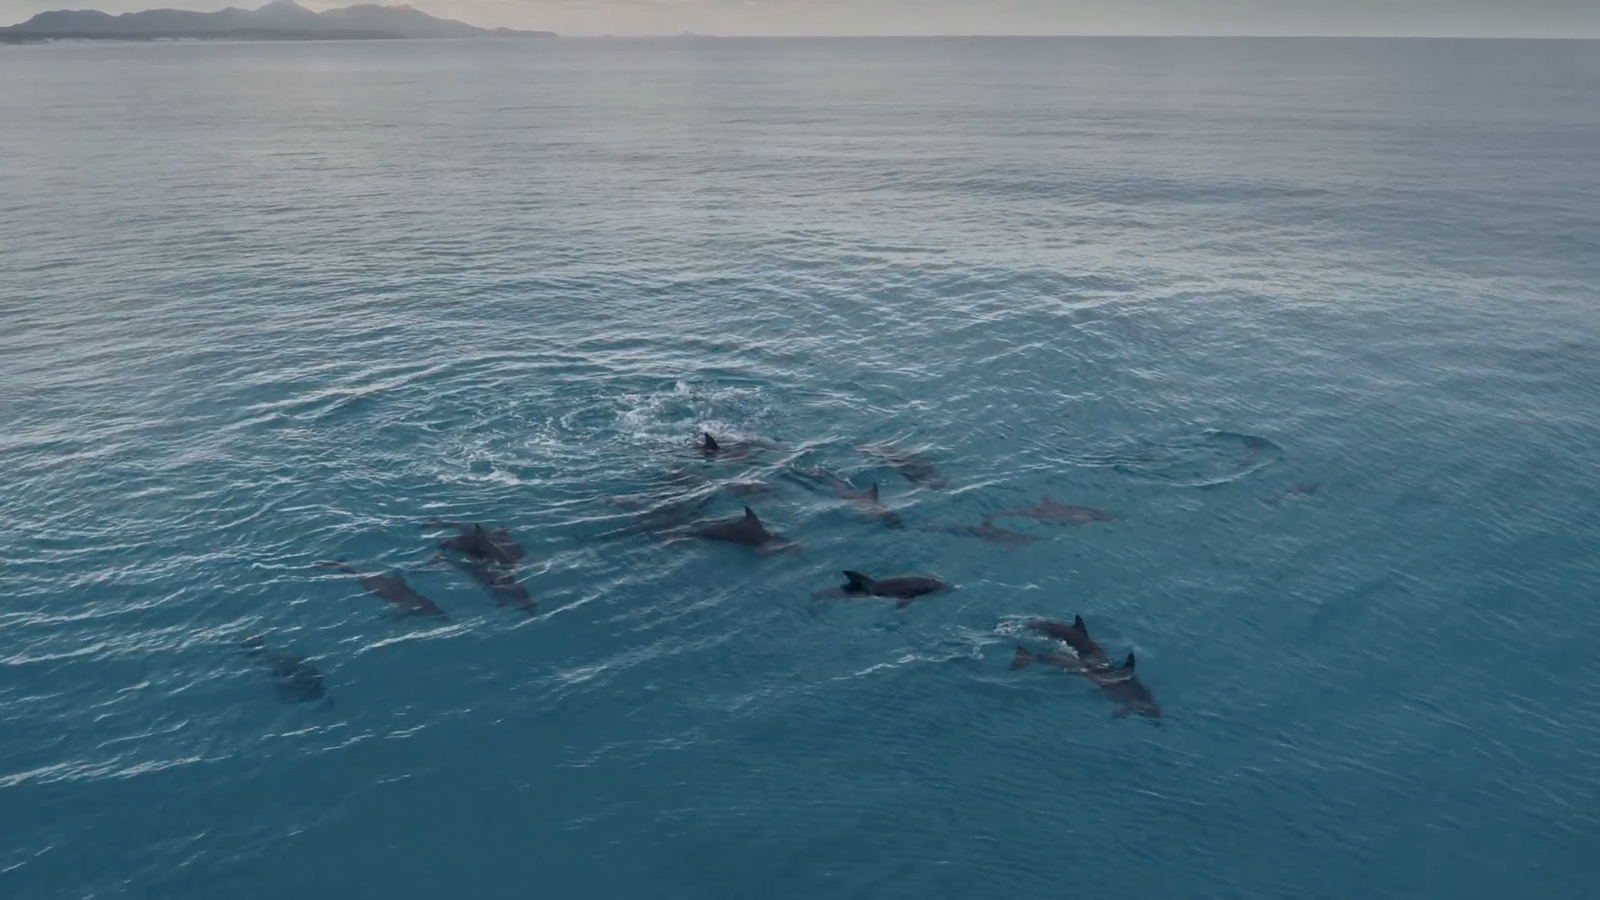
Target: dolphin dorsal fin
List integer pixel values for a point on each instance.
(1128, 663)
(1077, 622)
(751, 517)
(859, 581)
(710, 443)
(873, 492)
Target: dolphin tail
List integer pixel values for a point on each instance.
(1020, 659)
(859, 583)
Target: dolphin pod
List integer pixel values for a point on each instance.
(490, 557)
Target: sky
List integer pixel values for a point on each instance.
(1435, 18)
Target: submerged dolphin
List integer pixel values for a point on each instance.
(391, 587)
(691, 481)
(867, 501)
(916, 468)
(474, 540)
(1293, 492)
(746, 529)
(502, 585)
(296, 680)
(660, 518)
(987, 532)
(904, 588)
(1047, 510)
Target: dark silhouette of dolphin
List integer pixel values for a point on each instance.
(867, 501)
(904, 588)
(391, 587)
(1120, 684)
(1075, 636)
(659, 518)
(1047, 510)
(1117, 682)
(690, 481)
(502, 585)
(296, 680)
(916, 468)
(988, 532)
(480, 543)
(711, 448)
(1293, 492)
(746, 529)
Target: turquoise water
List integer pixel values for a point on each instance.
(1315, 321)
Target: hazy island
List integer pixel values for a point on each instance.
(280, 20)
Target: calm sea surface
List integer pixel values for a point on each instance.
(1317, 321)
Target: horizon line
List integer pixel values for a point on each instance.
(690, 35)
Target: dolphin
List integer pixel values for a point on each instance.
(747, 488)
(1119, 683)
(480, 543)
(1048, 510)
(916, 468)
(296, 680)
(1293, 492)
(659, 518)
(393, 588)
(988, 532)
(502, 585)
(1075, 636)
(711, 448)
(746, 529)
(867, 501)
(692, 482)
(904, 588)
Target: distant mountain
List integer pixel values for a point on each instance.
(280, 20)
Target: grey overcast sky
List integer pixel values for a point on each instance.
(1476, 18)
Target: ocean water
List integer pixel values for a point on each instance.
(1315, 320)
